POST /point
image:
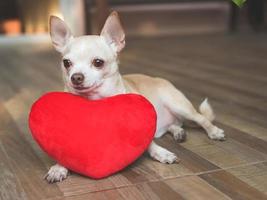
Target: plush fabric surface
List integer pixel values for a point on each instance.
(95, 138)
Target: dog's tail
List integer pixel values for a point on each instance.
(206, 110)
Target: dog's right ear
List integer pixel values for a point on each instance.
(59, 32)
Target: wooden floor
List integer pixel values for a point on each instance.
(229, 69)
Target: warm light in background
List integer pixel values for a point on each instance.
(40, 28)
(57, 14)
(11, 27)
(148, 28)
(35, 15)
(54, 9)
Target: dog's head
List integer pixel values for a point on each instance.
(88, 60)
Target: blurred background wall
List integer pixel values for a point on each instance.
(140, 17)
(26, 16)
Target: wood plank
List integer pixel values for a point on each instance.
(244, 138)
(144, 170)
(173, 189)
(206, 87)
(113, 194)
(33, 74)
(90, 196)
(193, 187)
(186, 67)
(181, 54)
(216, 155)
(223, 154)
(254, 175)
(242, 125)
(213, 49)
(144, 167)
(102, 195)
(163, 191)
(78, 185)
(226, 117)
(188, 158)
(232, 186)
(10, 185)
(159, 171)
(24, 163)
(132, 193)
(134, 174)
(150, 191)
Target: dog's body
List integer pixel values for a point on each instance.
(90, 69)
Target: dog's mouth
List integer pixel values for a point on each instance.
(81, 88)
(84, 89)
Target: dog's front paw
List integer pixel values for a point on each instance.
(217, 134)
(56, 173)
(165, 156)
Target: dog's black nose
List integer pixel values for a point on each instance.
(77, 78)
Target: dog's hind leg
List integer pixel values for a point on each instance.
(180, 106)
(178, 132)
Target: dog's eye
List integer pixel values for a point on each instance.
(98, 63)
(67, 63)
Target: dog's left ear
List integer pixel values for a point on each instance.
(113, 32)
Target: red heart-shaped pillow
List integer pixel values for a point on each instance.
(95, 138)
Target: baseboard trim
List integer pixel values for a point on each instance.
(173, 7)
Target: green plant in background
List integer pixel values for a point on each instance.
(239, 2)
